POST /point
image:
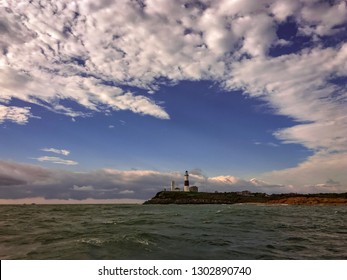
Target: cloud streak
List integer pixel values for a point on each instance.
(56, 151)
(57, 160)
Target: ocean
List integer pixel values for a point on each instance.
(238, 231)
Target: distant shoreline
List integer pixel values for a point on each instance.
(167, 197)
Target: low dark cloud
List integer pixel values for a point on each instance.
(20, 181)
(25, 173)
(9, 181)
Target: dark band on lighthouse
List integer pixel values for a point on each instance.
(186, 181)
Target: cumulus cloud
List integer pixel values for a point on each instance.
(56, 151)
(82, 50)
(324, 16)
(91, 53)
(232, 183)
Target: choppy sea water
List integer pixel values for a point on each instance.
(240, 231)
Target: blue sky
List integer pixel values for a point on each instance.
(209, 128)
(111, 101)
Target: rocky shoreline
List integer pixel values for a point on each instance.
(166, 197)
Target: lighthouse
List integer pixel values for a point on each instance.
(186, 182)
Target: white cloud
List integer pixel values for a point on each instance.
(15, 114)
(82, 188)
(232, 183)
(324, 17)
(126, 192)
(316, 170)
(56, 151)
(225, 179)
(57, 160)
(283, 9)
(83, 51)
(300, 86)
(86, 52)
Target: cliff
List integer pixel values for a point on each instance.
(166, 197)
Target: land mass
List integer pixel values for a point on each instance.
(168, 197)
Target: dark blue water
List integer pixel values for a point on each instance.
(240, 231)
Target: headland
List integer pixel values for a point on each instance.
(168, 197)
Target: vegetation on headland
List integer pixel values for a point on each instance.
(167, 197)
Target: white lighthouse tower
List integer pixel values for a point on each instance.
(186, 182)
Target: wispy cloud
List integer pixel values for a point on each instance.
(316, 170)
(57, 160)
(271, 144)
(56, 151)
